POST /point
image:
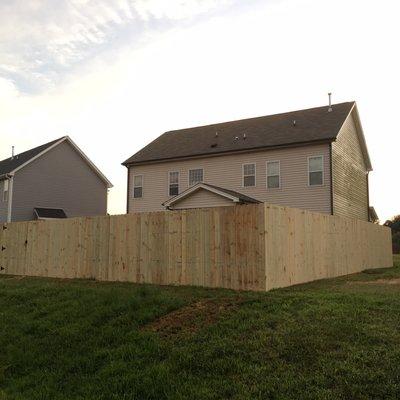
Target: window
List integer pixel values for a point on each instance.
(5, 190)
(195, 176)
(315, 171)
(249, 175)
(173, 189)
(137, 186)
(273, 174)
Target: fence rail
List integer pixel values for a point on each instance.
(253, 247)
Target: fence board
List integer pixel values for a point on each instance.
(253, 247)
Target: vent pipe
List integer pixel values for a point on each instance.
(330, 102)
(12, 152)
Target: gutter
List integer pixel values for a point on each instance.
(231, 151)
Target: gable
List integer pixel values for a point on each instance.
(202, 198)
(352, 134)
(348, 140)
(19, 161)
(11, 164)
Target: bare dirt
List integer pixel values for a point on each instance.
(189, 319)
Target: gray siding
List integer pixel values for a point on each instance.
(3, 204)
(58, 179)
(350, 189)
(226, 171)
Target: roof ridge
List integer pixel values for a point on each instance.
(298, 127)
(260, 116)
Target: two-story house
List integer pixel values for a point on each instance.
(53, 180)
(314, 159)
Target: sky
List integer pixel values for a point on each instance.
(114, 75)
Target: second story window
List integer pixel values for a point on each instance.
(173, 185)
(273, 174)
(5, 190)
(195, 176)
(316, 171)
(249, 175)
(137, 186)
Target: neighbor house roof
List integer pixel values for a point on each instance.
(13, 164)
(9, 165)
(290, 128)
(229, 194)
(49, 213)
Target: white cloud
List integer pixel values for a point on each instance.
(43, 40)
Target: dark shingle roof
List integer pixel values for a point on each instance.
(242, 197)
(10, 164)
(50, 212)
(312, 125)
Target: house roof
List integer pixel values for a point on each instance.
(290, 128)
(49, 213)
(229, 194)
(8, 165)
(13, 164)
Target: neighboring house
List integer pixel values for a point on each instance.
(55, 180)
(314, 159)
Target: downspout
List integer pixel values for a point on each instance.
(10, 178)
(331, 173)
(127, 191)
(369, 219)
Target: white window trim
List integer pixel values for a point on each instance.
(323, 170)
(179, 180)
(133, 194)
(266, 174)
(192, 169)
(255, 174)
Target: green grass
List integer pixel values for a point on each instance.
(333, 339)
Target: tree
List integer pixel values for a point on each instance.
(394, 225)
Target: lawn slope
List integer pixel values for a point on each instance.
(333, 339)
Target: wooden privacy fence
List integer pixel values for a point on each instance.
(254, 247)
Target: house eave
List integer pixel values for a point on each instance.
(228, 152)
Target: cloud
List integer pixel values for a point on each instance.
(43, 41)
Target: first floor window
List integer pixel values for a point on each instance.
(174, 183)
(5, 190)
(315, 171)
(195, 176)
(249, 175)
(273, 174)
(138, 186)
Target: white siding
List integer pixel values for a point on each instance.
(350, 191)
(226, 171)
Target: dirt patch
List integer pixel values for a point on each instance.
(189, 319)
(394, 281)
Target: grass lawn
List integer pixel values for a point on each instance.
(333, 339)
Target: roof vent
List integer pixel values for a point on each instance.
(236, 138)
(330, 103)
(12, 152)
(294, 122)
(216, 133)
(244, 136)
